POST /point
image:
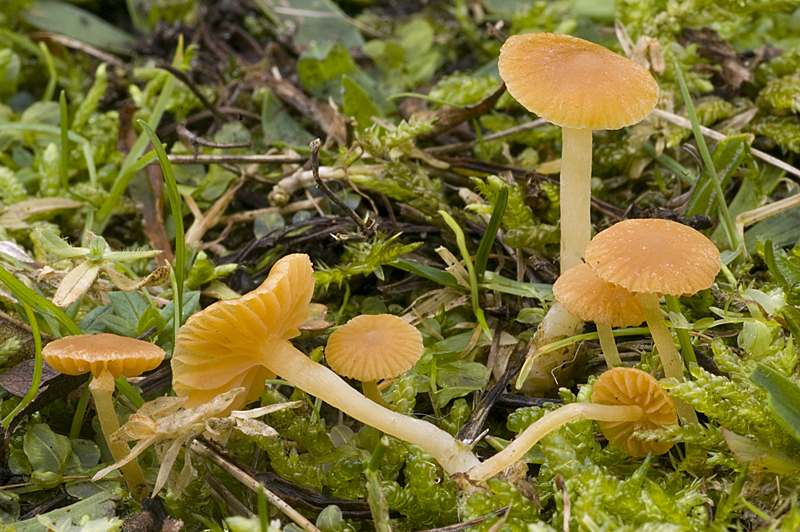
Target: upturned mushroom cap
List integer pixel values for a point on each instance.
(374, 347)
(575, 83)
(654, 256)
(96, 353)
(590, 298)
(223, 346)
(634, 387)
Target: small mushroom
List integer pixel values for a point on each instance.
(230, 341)
(624, 400)
(654, 257)
(369, 348)
(107, 357)
(590, 298)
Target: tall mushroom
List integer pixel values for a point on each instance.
(579, 86)
(624, 400)
(229, 341)
(590, 298)
(107, 357)
(654, 257)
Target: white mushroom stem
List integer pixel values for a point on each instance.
(102, 387)
(317, 380)
(550, 422)
(608, 345)
(576, 195)
(670, 359)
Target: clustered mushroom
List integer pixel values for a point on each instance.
(652, 257)
(107, 357)
(590, 298)
(580, 86)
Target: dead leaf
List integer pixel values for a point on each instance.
(126, 284)
(76, 283)
(447, 117)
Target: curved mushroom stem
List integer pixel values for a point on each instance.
(670, 359)
(608, 345)
(102, 387)
(551, 421)
(317, 380)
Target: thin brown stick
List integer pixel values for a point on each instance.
(368, 229)
(494, 136)
(234, 159)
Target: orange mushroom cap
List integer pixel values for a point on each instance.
(575, 83)
(96, 353)
(634, 387)
(374, 347)
(590, 298)
(654, 256)
(222, 347)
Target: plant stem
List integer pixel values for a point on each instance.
(102, 387)
(551, 421)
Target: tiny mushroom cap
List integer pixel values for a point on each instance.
(96, 353)
(574, 83)
(590, 298)
(654, 256)
(634, 387)
(374, 347)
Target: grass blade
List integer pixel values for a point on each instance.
(491, 233)
(473, 279)
(724, 215)
(37, 302)
(176, 206)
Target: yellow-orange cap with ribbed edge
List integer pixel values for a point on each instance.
(224, 346)
(575, 83)
(373, 347)
(590, 298)
(633, 387)
(96, 353)
(654, 256)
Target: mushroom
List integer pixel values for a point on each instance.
(369, 348)
(225, 344)
(653, 257)
(624, 400)
(579, 86)
(107, 357)
(590, 298)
